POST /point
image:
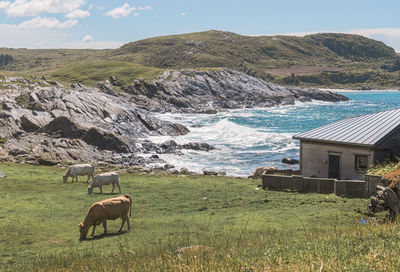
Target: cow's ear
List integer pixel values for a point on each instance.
(81, 225)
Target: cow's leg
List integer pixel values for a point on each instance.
(122, 225)
(105, 226)
(127, 220)
(76, 178)
(72, 179)
(101, 189)
(88, 177)
(113, 185)
(94, 228)
(119, 188)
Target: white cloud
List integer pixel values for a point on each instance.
(120, 12)
(136, 14)
(16, 37)
(22, 8)
(144, 8)
(183, 14)
(4, 4)
(45, 22)
(87, 39)
(78, 14)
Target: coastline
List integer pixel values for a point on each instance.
(357, 91)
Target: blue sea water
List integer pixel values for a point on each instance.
(249, 138)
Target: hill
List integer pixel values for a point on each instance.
(219, 49)
(328, 59)
(322, 60)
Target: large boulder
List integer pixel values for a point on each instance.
(64, 127)
(290, 161)
(106, 140)
(263, 170)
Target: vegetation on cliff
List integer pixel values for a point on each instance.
(329, 59)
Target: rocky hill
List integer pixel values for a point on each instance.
(45, 122)
(329, 60)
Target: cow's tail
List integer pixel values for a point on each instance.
(130, 202)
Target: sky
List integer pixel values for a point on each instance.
(111, 23)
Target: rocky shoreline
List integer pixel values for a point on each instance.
(43, 122)
(216, 90)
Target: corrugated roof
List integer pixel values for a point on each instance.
(366, 130)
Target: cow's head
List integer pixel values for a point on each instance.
(82, 231)
(65, 177)
(89, 189)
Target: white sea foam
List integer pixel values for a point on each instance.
(248, 138)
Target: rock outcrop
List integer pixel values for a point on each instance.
(45, 122)
(211, 91)
(50, 124)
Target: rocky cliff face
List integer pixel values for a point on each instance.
(44, 122)
(211, 91)
(52, 123)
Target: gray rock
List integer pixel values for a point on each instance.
(210, 173)
(77, 125)
(290, 161)
(211, 91)
(168, 166)
(54, 123)
(17, 152)
(198, 146)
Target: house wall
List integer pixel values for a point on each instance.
(390, 144)
(315, 159)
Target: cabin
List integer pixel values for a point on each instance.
(347, 148)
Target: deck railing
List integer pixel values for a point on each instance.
(347, 188)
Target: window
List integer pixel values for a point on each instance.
(361, 162)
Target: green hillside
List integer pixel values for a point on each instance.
(91, 72)
(216, 49)
(324, 60)
(327, 59)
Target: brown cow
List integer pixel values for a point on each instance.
(108, 209)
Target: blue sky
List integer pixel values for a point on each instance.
(111, 23)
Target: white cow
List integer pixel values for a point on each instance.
(104, 179)
(79, 170)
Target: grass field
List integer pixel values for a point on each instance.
(245, 229)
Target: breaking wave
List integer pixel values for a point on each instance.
(249, 138)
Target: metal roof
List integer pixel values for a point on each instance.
(365, 130)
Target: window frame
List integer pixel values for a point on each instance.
(357, 162)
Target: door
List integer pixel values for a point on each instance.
(334, 166)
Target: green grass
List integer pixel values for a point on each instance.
(91, 72)
(246, 229)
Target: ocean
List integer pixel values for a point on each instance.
(246, 139)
